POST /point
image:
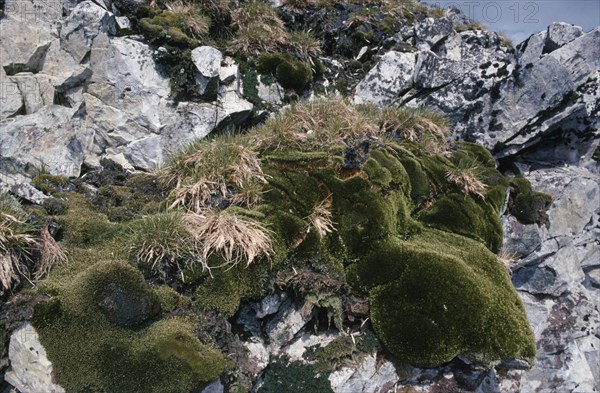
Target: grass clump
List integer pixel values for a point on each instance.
(17, 242)
(160, 243)
(259, 28)
(235, 238)
(214, 173)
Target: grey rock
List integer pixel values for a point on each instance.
(125, 307)
(146, 153)
(368, 377)
(271, 93)
(11, 100)
(50, 137)
(30, 370)
(288, 321)
(214, 387)
(20, 186)
(388, 80)
(36, 90)
(229, 71)
(208, 64)
(559, 34)
(233, 110)
(83, 24)
(432, 31)
(520, 240)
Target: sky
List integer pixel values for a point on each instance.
(518, 19)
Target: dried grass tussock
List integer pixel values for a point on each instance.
(235, 238)
(467, 181)
(51, 254)
(321, 218)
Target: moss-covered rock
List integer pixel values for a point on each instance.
(527, 205)
(86, 329)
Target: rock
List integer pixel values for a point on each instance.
(83, 24)
(233, 110)
(11, 100)
(20, 186)
(271, 93)
(125, 307)
(258, 355)
(30, 370)
(559, 34)
(288, 321)
(146, 153)
(50, 137)
(208, 65)
(36, 90)
(520, 240)
(229, 71)
(214, 387)
(388, 80)
(368, 377)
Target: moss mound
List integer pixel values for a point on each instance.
(348, 199)
(87, 330)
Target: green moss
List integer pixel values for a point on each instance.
(170, 299)
(82, 226)
(93, 350)
(465, 215)
(472, 152)
(335, 353)
(447, 295)
(528, 206)
(290, 73)
(227, 288)
(285, 377)
(51, 185)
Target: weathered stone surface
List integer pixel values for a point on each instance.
(50, 137)
(83, 24)
(368, 377)
(208, 65)
(30, 370)
(388, 80)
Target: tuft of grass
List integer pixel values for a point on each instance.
(506, 259)
(315, 124)
(428, 129)
(51, 254)
(233, 237)
(465, 177)
(161, 241)
(303, 44)
(16, 242)
(321, 218)
(259, 29)
(209, 172)
(469, 26)
(197, 24)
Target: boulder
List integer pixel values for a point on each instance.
(30, 370)
(51, 137)
(208, 65)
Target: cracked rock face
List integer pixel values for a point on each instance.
(507, 100)
(94, 95)
(552, 276)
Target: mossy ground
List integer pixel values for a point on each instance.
(400, 234)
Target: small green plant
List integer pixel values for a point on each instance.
(469, 26)
(304, 45)
(428, 129)
(465, 177)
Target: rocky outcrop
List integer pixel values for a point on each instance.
(83, 94)
(544, 90)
